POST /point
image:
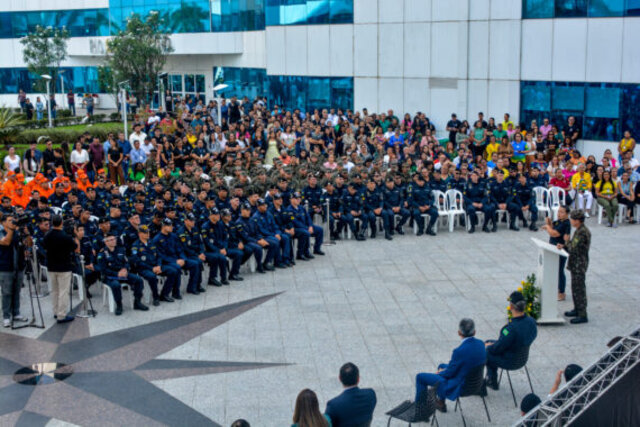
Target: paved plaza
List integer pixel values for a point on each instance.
(392, 308)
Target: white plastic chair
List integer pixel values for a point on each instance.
(56, 210)
(455, 207)
(107, 296)
(122, 189)
(543, 200)
(619, 217)
(557, 198)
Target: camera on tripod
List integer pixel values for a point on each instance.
(21, 221)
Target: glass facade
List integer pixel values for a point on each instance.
(289, 92)
(237, 15)
(178, 16)
(604, 110)
(80, 79)
(307, 12)
(532, 9)
(79, 22)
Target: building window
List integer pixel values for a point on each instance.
(78, 79)
(288, 92)
(177, 16)
(237, 15)
(604, 110)
(533, 9)
(79, 22)
(308, 12)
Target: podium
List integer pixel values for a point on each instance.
(548, 265)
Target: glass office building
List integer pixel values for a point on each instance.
(534, 59)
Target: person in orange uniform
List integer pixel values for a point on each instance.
(10, 184)
(83, 181)
(59, 177)
(42, 185)
(20, 197)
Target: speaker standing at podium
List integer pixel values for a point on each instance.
(559, 232)
(578, 248)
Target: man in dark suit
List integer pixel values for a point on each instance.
(450, 377)
(354, 407)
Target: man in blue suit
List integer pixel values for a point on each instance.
(450, 377)
(354, 407)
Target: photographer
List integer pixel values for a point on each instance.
(60, 248)
(12, 263)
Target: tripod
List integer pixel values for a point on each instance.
(28, 275)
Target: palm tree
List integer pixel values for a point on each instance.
(9, 125)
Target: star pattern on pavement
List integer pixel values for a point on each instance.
(110, 383)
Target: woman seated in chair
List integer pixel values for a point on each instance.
(607, 193)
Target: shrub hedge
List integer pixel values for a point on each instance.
(69, 134)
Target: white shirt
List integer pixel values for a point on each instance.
(79, 157)
(146, 148)
(137, 137)
(13, 163)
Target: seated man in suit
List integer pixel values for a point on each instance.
(450, 377)
(354, 407)
(514, 338)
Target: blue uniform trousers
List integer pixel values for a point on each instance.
(390, 216)
(115, 284)
(350, 221)
(194, 266)
(515, 209)
(273, 250)
(235, 255)
(419, 219)
(255, 250)
(216, 261)
(424, 380)
(487, 209)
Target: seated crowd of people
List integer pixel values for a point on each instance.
(184, 191)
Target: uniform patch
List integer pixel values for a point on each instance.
(505, 332)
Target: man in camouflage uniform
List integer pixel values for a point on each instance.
(578, 248)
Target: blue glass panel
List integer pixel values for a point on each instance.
(632, 8)
(601, 129)
(294, 12)
(319, 93)
(6, 28)
(630, 112)
(341, 11)
(189, 83)
(79, 79)
(341, 93)
(599, 8)
(176, 83)
(536, 96)
(272, 12)
(603, 101)
(318, 11)
(567, 96)
(537, 9)
(571, 8)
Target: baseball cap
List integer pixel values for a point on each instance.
(261, 202)
(103, 219)
(226, 212)
(516, 297)
(246, 206)
(214, 211)
(167, 221)
(277, 196)
(296, 195)
(190, 217)
(143, 229)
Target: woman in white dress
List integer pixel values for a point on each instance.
(272, 151)
(12, 161)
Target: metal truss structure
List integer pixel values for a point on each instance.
(568, 403)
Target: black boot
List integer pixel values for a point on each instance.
(360, 237)
(495, 225)
(214, 282)
(533, 227)
(420, 233)
(399, 230)
(472, 229)
(138, 305)
(388, 236)
(118, 308)
(430, 231)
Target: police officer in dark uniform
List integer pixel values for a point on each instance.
(305, 228)
(422, 202)
(172, 255)
(513, 338)
(144, 257)
(284, 224)
(475, 199)
(559, 232)
(373, 207)
(312, 196)
(211, 234)
(499, 197)
(114, 267)
(393, 204)
(234, 251)
(246, 230)
(352, 209)
(130, 233)
(193, 248)
(335, 209)
(522, 200)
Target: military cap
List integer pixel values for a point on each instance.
(143, 229)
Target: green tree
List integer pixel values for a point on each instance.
(138, 54)
(43, 52)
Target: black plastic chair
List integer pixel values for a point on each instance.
(415, 412)
(518, 362)
(473, 386)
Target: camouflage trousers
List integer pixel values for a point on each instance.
(579, 292)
